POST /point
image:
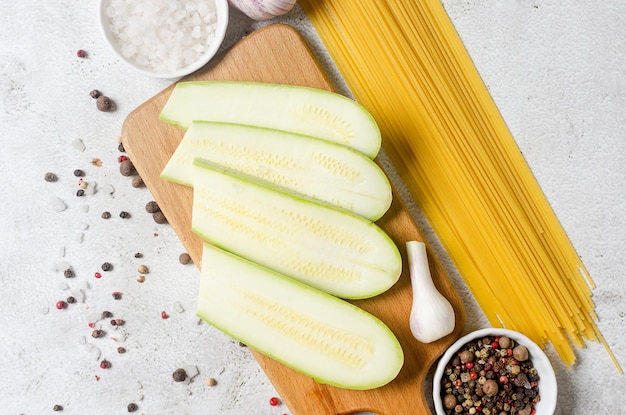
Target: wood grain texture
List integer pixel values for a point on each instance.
(278, 54)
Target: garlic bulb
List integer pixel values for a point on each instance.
(432, 315)
(263, 9)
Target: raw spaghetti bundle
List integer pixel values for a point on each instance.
(404, 61)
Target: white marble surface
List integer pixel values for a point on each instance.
(555, 68)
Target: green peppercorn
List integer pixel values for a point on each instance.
(50, 177)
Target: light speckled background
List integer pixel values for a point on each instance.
(555, 68)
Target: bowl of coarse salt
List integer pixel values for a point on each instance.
(164, 39)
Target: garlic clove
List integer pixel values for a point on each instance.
(263, 9)
(432, 316)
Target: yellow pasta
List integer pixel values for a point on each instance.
(404, 61)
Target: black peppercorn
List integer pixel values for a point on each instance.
(95, 94)
(79, 173)
(71, 300)
(106, 266)
(107, 314)
(106, 215)
(124, 214)
(117, 295)
(97, 333)
(80, 192)
(132, 407)
(179, 375)
(57, 408)
(138, 255)
(68, 273)
(120, 148)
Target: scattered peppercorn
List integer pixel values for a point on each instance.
(127, 168)
(94, 94)
(79, 173)
(120, 148)
(141, 278)
(122, 158)
(70, 300)
(97, 275)
(117, 295)
(121, 350)
(106, 215)
(81, 53)
(211, 382)
(80, 192)
(152, 207)
(274, 401)
(106, 266)
(164, 315)
(96, 334)
(138, 255)
(159, 218)
(57, 408)
(132, 407)
(68, 273)
(117, 322)
(520, 353)
(143, 269)
(107, 314)
(124, 214)
(179, 375)
(60, 305)
(103, 103)
(138, 182)
(184, 258)
(50, 177)
(105, 364)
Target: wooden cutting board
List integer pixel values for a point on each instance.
(279, 54)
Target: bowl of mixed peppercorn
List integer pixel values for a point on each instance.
(494, 372)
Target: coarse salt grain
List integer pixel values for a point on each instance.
(163, 36)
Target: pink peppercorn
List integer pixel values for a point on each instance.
(61, 304)
(81, 53)
(469, 365)
(105, 364)
(274, 401)
(122, 158)
(97, 275)
(504, 380)
(164, 315)
(473, 375)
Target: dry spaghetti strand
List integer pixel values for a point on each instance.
(404, 61)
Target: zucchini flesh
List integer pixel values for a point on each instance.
(303, 110)
(327, 248)
(316, 168)
(315, 333)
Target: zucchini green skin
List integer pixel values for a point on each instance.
(316, 168)
(298, 109)
(317, 334)
(328, 248)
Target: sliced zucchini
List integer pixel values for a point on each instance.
(317, 334)
(297, 109)
(320, 169)
(328, 248)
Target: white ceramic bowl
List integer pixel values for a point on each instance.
(222, 24)
(547, 379)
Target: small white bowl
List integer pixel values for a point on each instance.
(220, 31)
(547, 379)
